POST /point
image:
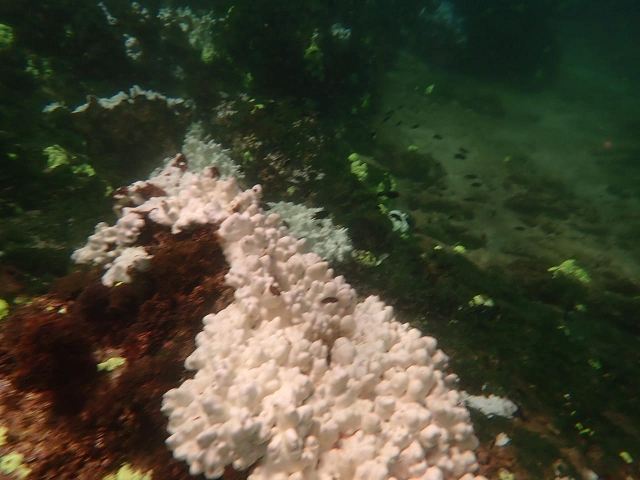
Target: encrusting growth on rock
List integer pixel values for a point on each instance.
(287, 385)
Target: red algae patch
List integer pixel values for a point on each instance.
(68, 419)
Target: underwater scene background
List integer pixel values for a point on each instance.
(475, 164)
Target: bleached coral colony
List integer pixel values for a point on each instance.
(297, 378)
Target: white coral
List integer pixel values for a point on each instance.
(324, 238)
(296, 377)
